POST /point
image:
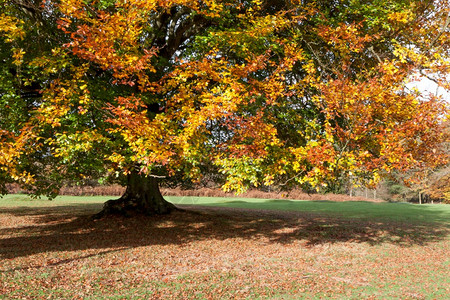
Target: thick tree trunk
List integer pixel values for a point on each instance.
(142, 195)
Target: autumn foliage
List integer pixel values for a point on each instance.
(306, 93)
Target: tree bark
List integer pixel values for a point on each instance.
(142, 195)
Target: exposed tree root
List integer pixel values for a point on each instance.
(141, 196)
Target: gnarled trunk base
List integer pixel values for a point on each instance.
(141, 196)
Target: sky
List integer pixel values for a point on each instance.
(427, 86)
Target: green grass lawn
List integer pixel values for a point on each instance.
(224, 248)
(400, 212)
(22, 200)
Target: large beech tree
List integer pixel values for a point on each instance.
(310, 93)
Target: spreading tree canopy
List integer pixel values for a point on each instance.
(263, 92)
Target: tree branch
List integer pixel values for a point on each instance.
(443, 28)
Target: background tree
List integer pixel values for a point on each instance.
(306, 93)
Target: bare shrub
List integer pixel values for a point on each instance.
(253, 193)
(101, 190)
(117, 190)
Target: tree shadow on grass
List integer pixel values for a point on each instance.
(71, 228)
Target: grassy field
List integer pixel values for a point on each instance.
(219, 248)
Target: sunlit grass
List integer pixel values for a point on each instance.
(399, 212)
